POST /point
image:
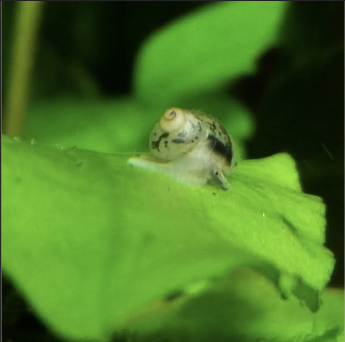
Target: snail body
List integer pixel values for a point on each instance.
(189, 146)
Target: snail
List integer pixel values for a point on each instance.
(189, 146)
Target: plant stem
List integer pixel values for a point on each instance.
(22, 55)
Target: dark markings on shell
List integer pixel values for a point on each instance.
(178, 141)
(222, 149)
(166, 142)
(155, 144)
(182, 134)
(200, 128)
(222, 128)
(213, 126)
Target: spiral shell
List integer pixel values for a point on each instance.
(189, 146)
(175, 135)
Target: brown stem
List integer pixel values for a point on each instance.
(21, 62)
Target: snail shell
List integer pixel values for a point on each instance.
(189, 146)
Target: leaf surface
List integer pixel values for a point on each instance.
(87, 238)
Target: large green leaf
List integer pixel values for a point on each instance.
(201, 51)
(241, 306)
(88, 239)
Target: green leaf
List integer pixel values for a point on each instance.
(123, 124)
(88, 239)
(257, 311)
(105, 126)
(201, 51)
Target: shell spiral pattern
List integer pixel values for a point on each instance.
(190, 146)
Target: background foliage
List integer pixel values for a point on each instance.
(101, 81)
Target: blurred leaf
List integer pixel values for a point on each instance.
(241, 306)
(331, 315)
(123, 124)
(88, 239)
(201, 51)
(104, 126)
